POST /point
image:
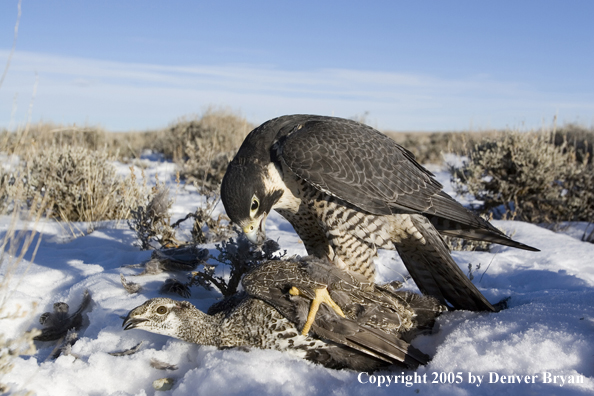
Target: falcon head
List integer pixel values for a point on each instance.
(249, 192)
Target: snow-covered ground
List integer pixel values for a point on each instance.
(546, 336)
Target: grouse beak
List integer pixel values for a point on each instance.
(131, 322)
(255, 230)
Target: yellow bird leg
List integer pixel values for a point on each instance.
(322, 296)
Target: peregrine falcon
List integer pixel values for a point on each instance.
(349, 190)
(374, 333)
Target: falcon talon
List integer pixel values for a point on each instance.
(322, 296)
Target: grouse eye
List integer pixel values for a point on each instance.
(162, 310)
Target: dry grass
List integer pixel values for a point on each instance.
(24, 212)
(217, 130)
(539, 177)
(579, 138)
(14, 244)
(151, 222)
(82, 184)
(529, 174)
(123, 146)
(429, 147)
(20, 237)
(73, 168)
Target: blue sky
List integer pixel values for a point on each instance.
(423, 65)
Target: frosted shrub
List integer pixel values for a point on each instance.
(81, 184)
(151, 222)
(203, 147)
(529, 177)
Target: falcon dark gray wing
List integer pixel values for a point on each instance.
(367, 169)
(357, 164)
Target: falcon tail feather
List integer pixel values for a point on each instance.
(436, 273)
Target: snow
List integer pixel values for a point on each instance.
(546, 334)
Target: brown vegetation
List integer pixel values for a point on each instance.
(202, 147)
(539, 177)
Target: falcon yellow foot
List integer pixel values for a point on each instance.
(322, 296)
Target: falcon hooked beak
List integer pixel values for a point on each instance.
(255, 230)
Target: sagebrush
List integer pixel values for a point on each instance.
(539, 177)
(203, 147)
(154, 230)
(82, 184)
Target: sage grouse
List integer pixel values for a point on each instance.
(371, 330)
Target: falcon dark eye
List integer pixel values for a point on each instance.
(162, 310)
(254, 207)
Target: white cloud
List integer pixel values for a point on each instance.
(123, 96)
